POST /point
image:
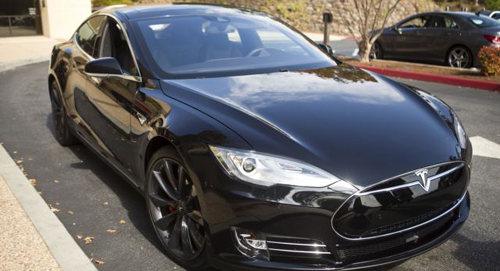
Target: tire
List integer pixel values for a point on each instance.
(62, 131)
(459, 57)
(175, 211)
(377, 51)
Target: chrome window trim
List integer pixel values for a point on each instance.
(133, 78)
(122, 76)
(462, 164)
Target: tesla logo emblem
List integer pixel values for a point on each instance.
(424, 182)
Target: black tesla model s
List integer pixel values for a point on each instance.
(256, 149)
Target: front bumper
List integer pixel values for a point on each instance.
(306, 214)
(435, 234)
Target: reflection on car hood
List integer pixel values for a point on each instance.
(361, 127)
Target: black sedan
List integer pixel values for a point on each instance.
(452, 38)
(255, 148)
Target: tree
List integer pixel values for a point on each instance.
(367, 20)
(492, 4)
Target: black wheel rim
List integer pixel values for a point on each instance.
(375, 52)
(175, 211)
(57, 111)
(459, 58)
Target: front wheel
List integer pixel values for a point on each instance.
(459, 57)
(376, 51)
(175, 210)
(62, 131)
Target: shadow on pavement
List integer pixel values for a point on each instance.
(130, 199)
(477, 255)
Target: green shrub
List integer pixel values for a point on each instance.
(104, 3)
(489, 58)
(492, 4)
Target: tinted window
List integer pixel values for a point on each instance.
(195, 46)
(443, 22)
(483, 21)
(496, 16)
(114, 44)
(87, 33)
(419, 22)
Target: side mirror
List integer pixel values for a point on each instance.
(327, 48)
(108, 67)
(103, 67)
(398, 30)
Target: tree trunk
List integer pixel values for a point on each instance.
(364, 50)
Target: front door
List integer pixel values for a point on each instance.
(112, 99)
(410, 42)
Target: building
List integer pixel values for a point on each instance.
(57, 19)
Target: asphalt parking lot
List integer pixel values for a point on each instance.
(94, 202)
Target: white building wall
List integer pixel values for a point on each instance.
(60, 18)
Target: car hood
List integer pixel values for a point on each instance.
(359, 126)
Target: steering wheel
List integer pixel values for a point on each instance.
(256, 52)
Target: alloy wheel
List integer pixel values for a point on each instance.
(459, 58)
(57, 111)
(175, 211)
(376, 51)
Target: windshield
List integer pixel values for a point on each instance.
(221, 45)
(483, 21)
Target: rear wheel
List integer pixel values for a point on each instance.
(62, 130)
(175, 210)
(459, 57)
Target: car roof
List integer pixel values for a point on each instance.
(150, 11)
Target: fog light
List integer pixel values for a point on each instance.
(250, 243)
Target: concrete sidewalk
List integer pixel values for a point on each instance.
(31, 235)
(19, 51)
(21, 246)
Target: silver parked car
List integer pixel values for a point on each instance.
(492, 14)
(452, 38)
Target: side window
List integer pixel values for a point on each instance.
(87, 33)
(114, 44)
(496, 16)
(443, 22)
(418, 22)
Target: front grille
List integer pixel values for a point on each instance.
(288, 249)
(404, 224)
(382, 210)
(370, 250)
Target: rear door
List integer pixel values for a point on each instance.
(410, 42)
(111, 98)
(441, 35)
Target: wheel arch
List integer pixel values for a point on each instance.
(154, 145)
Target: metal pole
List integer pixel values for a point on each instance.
(327, 19)
(10, 27)
(326, 36)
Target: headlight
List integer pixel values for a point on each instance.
(267, 170)
(460, 132)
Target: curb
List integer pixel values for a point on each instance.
(449, 80)
(18, 63)
(61, 244)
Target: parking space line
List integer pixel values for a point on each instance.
(484, 147)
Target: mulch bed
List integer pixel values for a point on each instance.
(423, 68)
